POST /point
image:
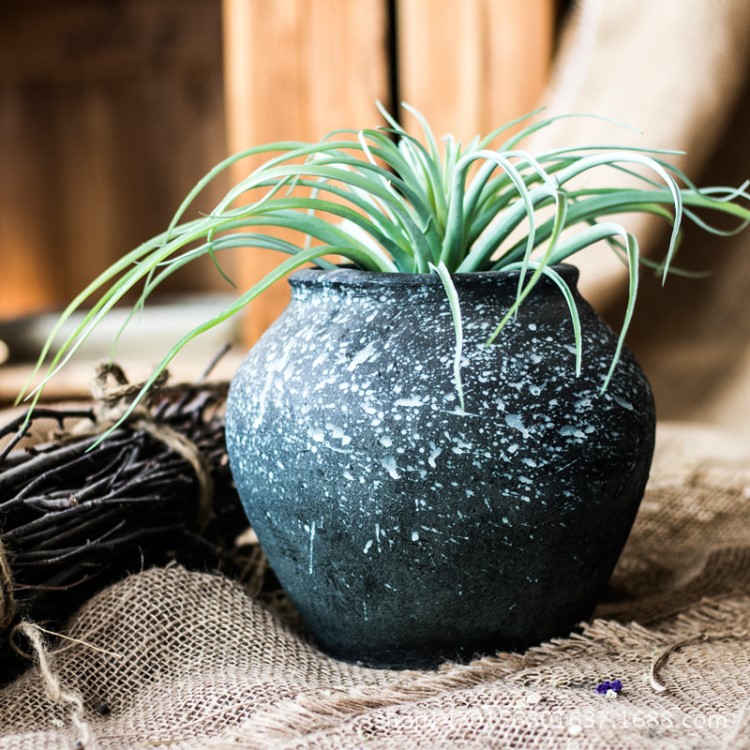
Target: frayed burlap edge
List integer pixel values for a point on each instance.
(307, 714)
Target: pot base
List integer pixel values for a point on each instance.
(429, 657)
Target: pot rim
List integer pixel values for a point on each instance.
(350, 276)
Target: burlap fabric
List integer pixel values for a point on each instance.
(176, 659)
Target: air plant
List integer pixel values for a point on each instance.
(383, 200)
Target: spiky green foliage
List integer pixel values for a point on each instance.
(386, 201)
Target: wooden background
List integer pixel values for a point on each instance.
(110, 111)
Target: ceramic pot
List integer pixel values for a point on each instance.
(404, 530)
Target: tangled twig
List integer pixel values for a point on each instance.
(79, 511)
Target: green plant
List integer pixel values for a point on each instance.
(400, 206)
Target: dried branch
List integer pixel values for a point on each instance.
(76, 515)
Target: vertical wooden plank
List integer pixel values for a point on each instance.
(109, 113)
(470, 65)
(26, 275)
(297, 69)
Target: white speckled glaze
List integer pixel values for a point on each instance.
(404, 530)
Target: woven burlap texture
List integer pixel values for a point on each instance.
(176, 659)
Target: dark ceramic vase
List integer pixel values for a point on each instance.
(407, 532)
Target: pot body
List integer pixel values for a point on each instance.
(404, 530)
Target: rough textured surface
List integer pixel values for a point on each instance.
(403, 529)
(176, 660)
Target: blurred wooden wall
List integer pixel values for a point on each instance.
(109, 111)
(300, 68)
(471, 65)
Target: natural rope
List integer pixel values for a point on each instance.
(7, 598)
(661, 658)
(112, 402)
(55, 691)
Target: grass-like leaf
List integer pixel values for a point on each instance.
(453, 301)
(389, 201)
